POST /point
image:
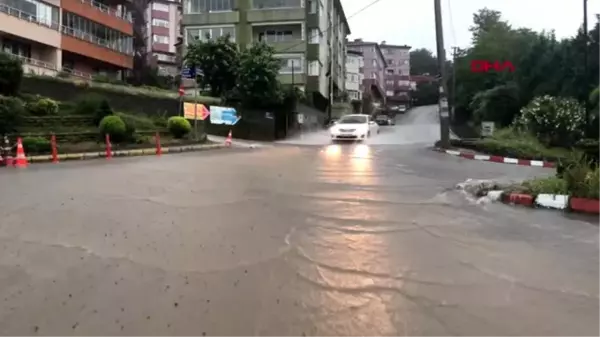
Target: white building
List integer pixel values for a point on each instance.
(354, 74)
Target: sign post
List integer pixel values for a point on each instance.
(487, 129)
(189, 72)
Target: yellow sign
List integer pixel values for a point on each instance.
(200, 112)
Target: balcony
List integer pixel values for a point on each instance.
(288, 38)
(30, 27)
(81, 43)
(95, 11)
(268, 10)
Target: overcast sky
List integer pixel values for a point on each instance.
(412, 22)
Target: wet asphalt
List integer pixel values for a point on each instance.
(300, 238)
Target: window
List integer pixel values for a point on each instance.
(314, 68)
(164, 58)
(84, 29)
(374, 63)
(312, 6)
(291, 64)
(276, 36)
(390, 62)
(16, 47)
(157, 6)
(160, 23)
(207, 6)
(390, 71)
(210, 32)
(315, 36)
(389, 82)
(389, 93)
(160, 39)
(374, 75)
(34, 11)
(267, 4)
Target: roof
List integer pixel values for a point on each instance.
(338, 3)
(360, 43)
(395, 46)
(354, 52)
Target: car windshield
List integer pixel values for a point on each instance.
(353, 120)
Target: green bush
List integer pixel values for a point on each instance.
(88, 104)
(102, 111)
(517, 144)
(42, 107)
(11, 74)
(114, 127)
(36, 145)
(549, 185)
(11, 114)
(179, 126)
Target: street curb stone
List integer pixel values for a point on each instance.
(125, 153)
(497, 159)
(551, 201)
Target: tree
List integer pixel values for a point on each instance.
(218, 59)
(11, 73)
(257, 84)
(427, 93)
(423, 62)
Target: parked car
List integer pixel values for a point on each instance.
(353, 127)
(382, 120)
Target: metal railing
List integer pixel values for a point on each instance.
(93, 39)
(17, 13)
(119, 13)
(50, 66)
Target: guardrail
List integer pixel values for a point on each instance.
(90, 38)
(122, 14)
(17, 13)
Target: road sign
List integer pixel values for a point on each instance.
(188, 72)
(223, 115)
(487, 129)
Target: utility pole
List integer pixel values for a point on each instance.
(454, 52)
(441, 57)
(585, 63)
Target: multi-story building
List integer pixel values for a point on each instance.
(374, 68)
(397, 75)
(163, 32)
(355, 63)
(307, 35)
(82, 37)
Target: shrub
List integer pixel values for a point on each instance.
(179, 126)
(499, 104)
(549, 185)
(36, 145)
(133, 123)
(11, 74)
(556, 121)
(11, 114)
(513, 143)
(102, 111)
(114, 127)
(88, 104)
(42, 107)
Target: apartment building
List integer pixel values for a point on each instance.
(355, 63)
(82, 37)
(164, 31)
(374, 68)
(308, 35)
(397, 74)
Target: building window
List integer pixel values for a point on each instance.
(16, 47)
(33, 11)
(165, 58)
(160, 39)
(315, 36)
(389, 93)
(276, 36)
(390, 83)
(314, 68)
(312, 6)
(374, 75)
(205, 33)
(207, 6)
(390, 62)
(157, 6)
(84, 29)
(390, 71)
(374, 63)
(160, 23)
(291, 64)
(268, 4)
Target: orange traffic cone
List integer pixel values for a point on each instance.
(20, 160)
(158, 147)
(54, 149)
(228, 139)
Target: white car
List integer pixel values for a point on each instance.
(353, 127)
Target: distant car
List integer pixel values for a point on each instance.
(353, 127)
(391, 120)
(382, 120)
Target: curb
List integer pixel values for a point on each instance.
(550, 201)
(125, 153)
(497, 159)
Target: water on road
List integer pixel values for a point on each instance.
(357, 239)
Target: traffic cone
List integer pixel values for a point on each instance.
(228, 139)
(54, 149)
(20, 160)
(158, 147)
(108, 146)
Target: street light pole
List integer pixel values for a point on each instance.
(441, 57)
(585, 63)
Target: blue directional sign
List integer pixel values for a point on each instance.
(188, 72)
(223, 115)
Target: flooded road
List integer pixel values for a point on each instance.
(292, 240)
